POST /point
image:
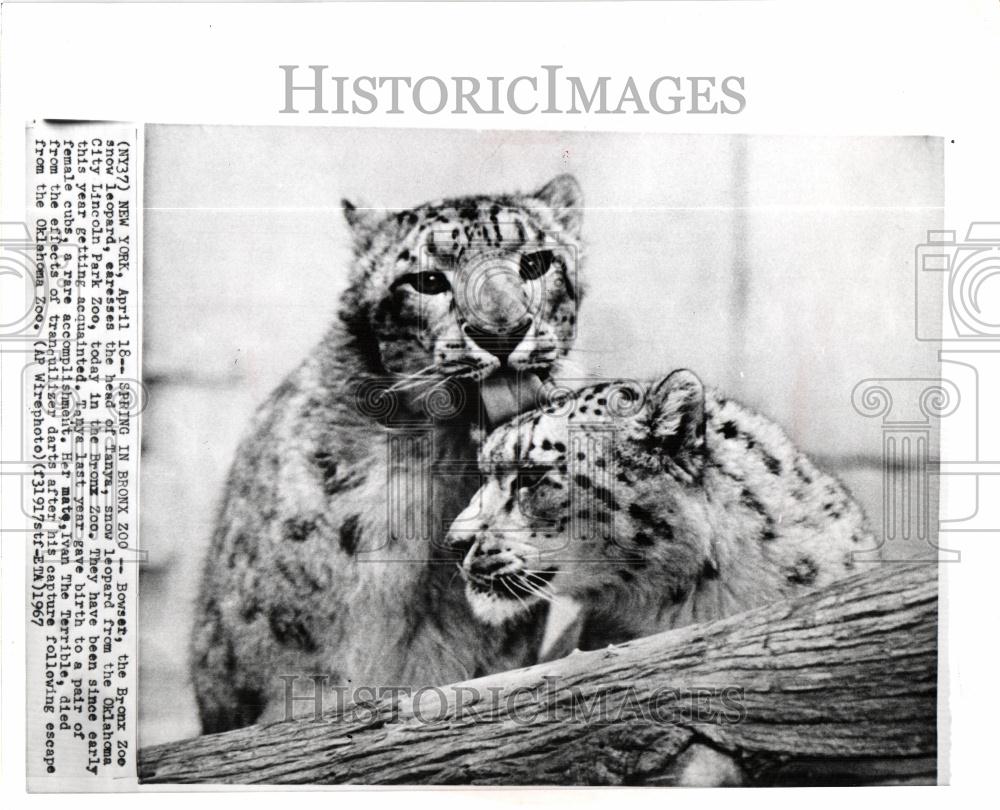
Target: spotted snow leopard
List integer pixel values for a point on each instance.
(313, 568)
(651, 510)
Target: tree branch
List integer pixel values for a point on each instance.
(835, 687)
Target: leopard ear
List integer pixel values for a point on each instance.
(677, 413)
(563, 195)
(363, 221)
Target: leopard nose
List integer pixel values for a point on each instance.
(489, 563)
(498, 343)
(459, 543)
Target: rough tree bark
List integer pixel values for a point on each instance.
(836, 687)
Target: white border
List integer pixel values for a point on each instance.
(834, 68)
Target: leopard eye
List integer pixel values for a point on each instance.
(537, 264)
(425, 283)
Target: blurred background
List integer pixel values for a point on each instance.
(780, 269)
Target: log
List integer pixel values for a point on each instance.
(835, 687)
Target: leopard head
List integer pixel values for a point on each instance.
(596, 498)
(465, 289)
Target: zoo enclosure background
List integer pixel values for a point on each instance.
(780, 269)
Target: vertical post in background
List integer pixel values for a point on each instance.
(739, 303)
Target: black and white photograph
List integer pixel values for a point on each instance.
(489, 404)
(429, 407)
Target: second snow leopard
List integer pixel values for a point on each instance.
(652, 510)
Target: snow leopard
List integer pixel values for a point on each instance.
(651, 507)
(327, 556)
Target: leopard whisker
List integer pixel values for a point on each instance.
(540, 588)
(506, 586)
(540, 578)
(429, 388)
(440, 381)
(413, 382)
(434, 375)
(538, 581)
(420, 373)
(534, 590)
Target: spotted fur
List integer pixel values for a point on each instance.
(312, 569)
(653, 509)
